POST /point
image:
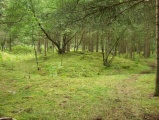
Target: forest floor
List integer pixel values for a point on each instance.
(77, 86)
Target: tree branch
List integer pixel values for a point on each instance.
(98, 9)
(113, 18)
(12, 22)
(40, 25)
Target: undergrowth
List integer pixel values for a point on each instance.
(78, 88)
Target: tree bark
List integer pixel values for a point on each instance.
(38, 46)
(10, 44)
(91, 47)
(45, 46)
(97, 42)
(83, 43)
(157, 40)
(3, 44)
(68, 46)
(147, 44)
(53, 46)
(75, 43)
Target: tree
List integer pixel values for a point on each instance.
(62, 31)
(157, 40)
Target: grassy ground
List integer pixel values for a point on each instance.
(78, 88)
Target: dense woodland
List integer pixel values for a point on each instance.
(80, 25)
(104, 45)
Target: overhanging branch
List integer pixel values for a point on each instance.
(40, 25)
(99, 9)
(12, 22)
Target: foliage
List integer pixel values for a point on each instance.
(53, 68)
(22, 49)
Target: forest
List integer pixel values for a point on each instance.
(79, 60)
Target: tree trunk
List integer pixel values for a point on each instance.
(122, 47)
(53, 47)
(107, 45)
(83, 43)
(91, 49)
(61, 50)
(97, 42)
(10, 44)
(35, 51)
(131, 51)
(38, 46)
(45, 46)
(68, 47)
(139, 48)
(157, 40)
(75, 44)
(147, 45)
(2, 45)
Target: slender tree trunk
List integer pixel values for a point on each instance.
(35, 51)
(3, 44)
(53, 47)
(131, 48)
(2, 48)
(97, 42)
(147, 45)
(45, 46)
(83, 43)
(68, 47)
(107, 45)
(139, 48)
(122, 47)
(91, 45)
(157, 40)
(131, 51)
(38, 46)
(36, 56)
(102, 48)
(10, 43)
(75, 44)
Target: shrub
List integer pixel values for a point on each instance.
(22, 49)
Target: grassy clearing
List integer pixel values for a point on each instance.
(80, 88)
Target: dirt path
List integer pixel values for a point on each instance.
(126, 98)
(126, 95)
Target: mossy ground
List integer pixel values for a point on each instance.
(78, 88)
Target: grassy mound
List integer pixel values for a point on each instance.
(75, 86)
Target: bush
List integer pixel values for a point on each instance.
(22, 49)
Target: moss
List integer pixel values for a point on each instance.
(80, 90)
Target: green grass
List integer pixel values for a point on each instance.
(80, 88)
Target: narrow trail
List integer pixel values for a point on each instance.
(125, 97)
(125, 87)
(128, 97)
